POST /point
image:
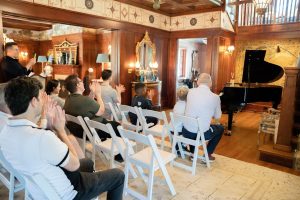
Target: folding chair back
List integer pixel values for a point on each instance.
(161, 129)
(11, 183)
(124, 110)
(150, 158)
(113, 109)
(86, 132)
(177, 122)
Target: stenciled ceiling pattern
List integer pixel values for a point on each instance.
(128, 13)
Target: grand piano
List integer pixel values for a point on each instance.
(257, 75)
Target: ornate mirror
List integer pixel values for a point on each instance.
(145, 52)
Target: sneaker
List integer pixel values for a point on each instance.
(211, 158)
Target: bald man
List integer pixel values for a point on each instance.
(204, 104)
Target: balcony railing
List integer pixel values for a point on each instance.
(278, 12)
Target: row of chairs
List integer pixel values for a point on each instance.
(150, 158)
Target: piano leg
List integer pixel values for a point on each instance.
(229, 126)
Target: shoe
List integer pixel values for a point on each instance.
(211, 158)
(119, 158)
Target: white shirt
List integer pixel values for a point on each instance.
(32, 150)
(3, 119)
(203, 104)
(179, 107)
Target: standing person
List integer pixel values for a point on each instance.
(31, 150)
(204, 104)
(10, 67)
(109, 94)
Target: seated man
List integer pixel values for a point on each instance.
(202, 103)
(141, 101)
(78, 105)
(110, 95)
(31, 150)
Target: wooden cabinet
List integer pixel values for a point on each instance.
(156, 87)
(61, 71)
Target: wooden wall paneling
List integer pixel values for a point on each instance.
(127, 55)
(202, 57)
(215, 62)
(1, 36)
(115, 56)
(89, 51)
(103, 40)
(171, 73)
(31, 47)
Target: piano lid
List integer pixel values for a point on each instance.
(259, 71)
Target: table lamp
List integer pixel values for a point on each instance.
(42, 59)
(103, 58)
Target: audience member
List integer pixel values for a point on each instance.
(31, 150)
(78, 105)
(110, 95)
(182, 93)
(63, 92)
(204, 104)
(52, 89)
(10, 66)
(140, 100)
(4, 111)
(87, 90)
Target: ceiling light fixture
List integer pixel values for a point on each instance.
(156, 4)
(261, 6)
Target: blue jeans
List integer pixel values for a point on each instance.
(214, 137)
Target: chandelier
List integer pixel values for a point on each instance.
(156, 4)
(261, 6)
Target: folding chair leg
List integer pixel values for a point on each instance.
(84, 142)
(126, 170)
(206, 154)
(132, 171)
(194, 165)
(150, 184)
(12, 187)
(168, 180)
(162, 144)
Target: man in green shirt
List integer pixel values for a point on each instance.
(78, 105)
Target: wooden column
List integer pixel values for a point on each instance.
(281, 152)
(1, 35)
(285, 130)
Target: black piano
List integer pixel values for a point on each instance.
(256, 74)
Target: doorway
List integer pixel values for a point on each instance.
(191, 60)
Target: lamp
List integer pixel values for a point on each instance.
(156, 4)
(24, 54)
(48, 68)
(230, 49)
(278, 50)
(103, 58)
(261, 6)
(42, 59)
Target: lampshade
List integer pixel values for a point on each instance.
(42, 59)
(101, 58)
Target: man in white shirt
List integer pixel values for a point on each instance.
(32, 150)
(204, 104)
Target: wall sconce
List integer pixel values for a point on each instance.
(230, 49)
(131, 66)
(24, 54)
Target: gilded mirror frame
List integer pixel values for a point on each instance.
(146, 40)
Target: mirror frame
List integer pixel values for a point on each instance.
(145, 40)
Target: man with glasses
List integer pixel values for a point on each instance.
(10, 67)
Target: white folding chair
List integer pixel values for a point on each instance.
(150, 158)
(111, 146)
(177, 122)
(86, 132)
(161, 129)
(113, 109)
(15, 182)
(124, 110)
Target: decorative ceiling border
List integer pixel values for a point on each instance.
(123, 12)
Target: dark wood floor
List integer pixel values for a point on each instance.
(242, 145)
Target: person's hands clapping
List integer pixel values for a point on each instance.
(96, 88)
(120, 88)
(59, 121)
